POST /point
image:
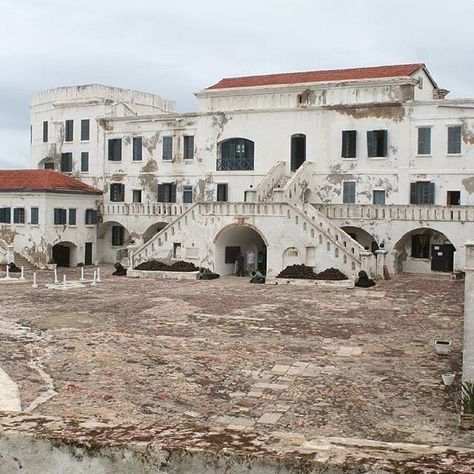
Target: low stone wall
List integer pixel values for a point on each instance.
(162, 275)
(302, 282)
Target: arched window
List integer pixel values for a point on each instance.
(235, 154)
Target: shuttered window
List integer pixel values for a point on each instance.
(66, 162)
(91, 217)
(69, 131)
(19, 215)
(115, 149)
(137, 153)
(424, 140)
(188, 147)
(117, 235)
(378, 197)
(377, 143)
(348, 192)
(117, 192)
(222, 191)
(167, 148)
(34, 215)
(454, 140)
(187, 194)
(72, 217)
(349, 142)
(59, 216)
(167, 192)
(85, 130)
(5, 215)
(45, 132)
(137, 195)
(422, 192)
(84, 161)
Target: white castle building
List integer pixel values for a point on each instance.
(352, 169)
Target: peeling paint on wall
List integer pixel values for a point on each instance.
(395, 113)
(150, 143)
(150, 166)
(219, 121)
(468, 184)
(105, 124)
(467, 133)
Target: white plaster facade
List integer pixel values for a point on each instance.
(269, 116)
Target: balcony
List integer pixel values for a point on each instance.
(162, 209)
(234, 164)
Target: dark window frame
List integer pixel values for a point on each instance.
(66, 163)
(188, 147)
(187, 194)
(49, 165)
(166, 192)
(422, 193)
(137, 149)
(60, 216)
(379, 193)
(90, 217)
(114, 149)
(167, 148)
(377, 143)
(424, 141)
(45, 132)
(19, 215)
(222, 192)
(117, 192)
(34, 215)
(84, 161)
(349, 193)
(454, 145)
(72, 216)
(5, 215)
(69, 130)
(349, 144)
(85, 130)
(236, 154)
(135, 193)
(118, 235)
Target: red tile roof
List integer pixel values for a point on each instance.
(42, 180)
(401, 70)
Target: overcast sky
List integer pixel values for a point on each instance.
(178, 47)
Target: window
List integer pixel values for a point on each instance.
(188, 147)
(167, 148)
(5, 215)
(348, 192)
(231, 254)
(117, 192)
(137, 195)
(167, 192)
(422, 192)
(66, 162)
(137, 152)
(424, 140)
(19, 215)
(236, 154)
(45, 132)
(59, 216)
(85, 130)
(49, 165)
(420, 83)
(349, 141)
(117, 235)
(454, 140)
(91, 217)
(72, 217)
(453, 198)
(378, 197)
(115, 149)
(187, 194)
(34, 216)
(69, 132)
(84, 162)
(377, 143)
(420, 246)
(222, 192)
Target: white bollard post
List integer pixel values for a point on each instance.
(22, 276)
(82, 275)
(64, 280)
(34, 285)
(94, 280)
(98, 275)
(8, 272)
(56, 276)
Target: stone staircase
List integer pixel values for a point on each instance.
(21, 261)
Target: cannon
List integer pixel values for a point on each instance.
(206, 274)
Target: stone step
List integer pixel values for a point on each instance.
(21, 261)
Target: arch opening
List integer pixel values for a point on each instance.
(153, 230)
(424, 250)
(240, 240)
(362, 237)
(298, 151)
(235, 154)
(64, 254)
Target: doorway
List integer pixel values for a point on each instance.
(298, 150)
(442, 257)
(62, 255)
(453, 198)
(88, 253)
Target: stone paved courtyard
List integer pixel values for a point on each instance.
(237, 359)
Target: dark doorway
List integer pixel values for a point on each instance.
(442, 257)
(262, 261)
(88, 254)
(62, 255)
(298, 151)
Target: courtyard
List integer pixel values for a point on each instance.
(328, 374)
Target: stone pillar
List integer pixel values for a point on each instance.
(10, 254)
(380, 255)
(468, 344)
(367, 260)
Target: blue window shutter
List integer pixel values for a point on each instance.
(431, 191)
(413, 188)
(371, 145)
(384, 137)
(161, 193)
(173, 192)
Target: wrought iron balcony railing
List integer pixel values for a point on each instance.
(234, 164)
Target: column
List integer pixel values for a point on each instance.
(468, 344)
(380, 256)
